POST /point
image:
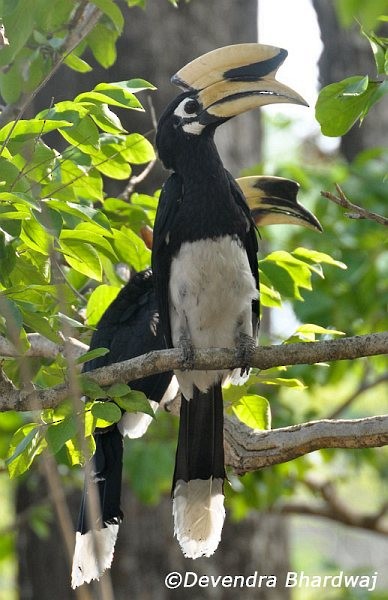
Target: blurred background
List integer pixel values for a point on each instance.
(317, 513)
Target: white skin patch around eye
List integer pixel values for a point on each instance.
(192, 127)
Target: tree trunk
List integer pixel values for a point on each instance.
(345, 53)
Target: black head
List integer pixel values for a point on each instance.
(218, 86)
(182, 124)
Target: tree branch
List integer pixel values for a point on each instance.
(248, 450)
(335, 509)
(42, 347)
(265, 357)
(357, 212)
(370, 522)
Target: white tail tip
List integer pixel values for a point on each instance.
(199, 513)
(93, 554)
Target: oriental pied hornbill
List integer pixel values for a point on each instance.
(128, 328)
(221, 84)
(205, 267)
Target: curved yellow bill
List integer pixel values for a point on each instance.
(273, 200)
(229, 62)
(234, 79)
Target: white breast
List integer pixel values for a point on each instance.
(211, 291)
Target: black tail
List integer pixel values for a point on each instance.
(95, 541)
(198, 500)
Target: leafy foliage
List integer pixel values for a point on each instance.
(62, 241)
(340, 105)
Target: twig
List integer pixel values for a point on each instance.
(357, 212)
(340, 511)
(265, 357)
(373, 523)
(135, 180)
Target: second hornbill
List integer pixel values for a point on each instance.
(205, 267)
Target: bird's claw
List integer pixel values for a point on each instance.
(187, 348)
(245, 349)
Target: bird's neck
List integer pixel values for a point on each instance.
(199, 164)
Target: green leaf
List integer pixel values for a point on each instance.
(307, 332)
(96, 353)
(131, 249)
(26, 444)
(366, 13)
(89, 233)
(269, 296)
(91, 389)
(102, 42)
(289, 382)
(11, 83)
(40, 324)
(82, 257)
(287, 273)
(254, 411)
(110, 161)
(58, 433)
(81, 211)
(83, 134)
(341, 104)
(314, 256)
(32, 128)
(135, 402)
(113, 94)
(117, 390)
(357, 87)
(109, 8)
(107, 412)
(75, 452)
(77, 64)
(138, 149)
(12, 315)
(106, 119)
(19, 24)
(51, 220)
(99, 301)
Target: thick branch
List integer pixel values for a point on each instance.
(265, 357)
(248, 450)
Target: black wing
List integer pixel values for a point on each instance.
(130, 327)
(169, 202)
(250, 244)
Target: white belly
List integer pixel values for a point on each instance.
(211, 291)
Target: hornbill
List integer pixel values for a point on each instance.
(205, 269)
(130, 327)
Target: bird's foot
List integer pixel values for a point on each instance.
(185, 344)
(246, 347)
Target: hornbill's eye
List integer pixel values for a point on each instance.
(191, 107)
